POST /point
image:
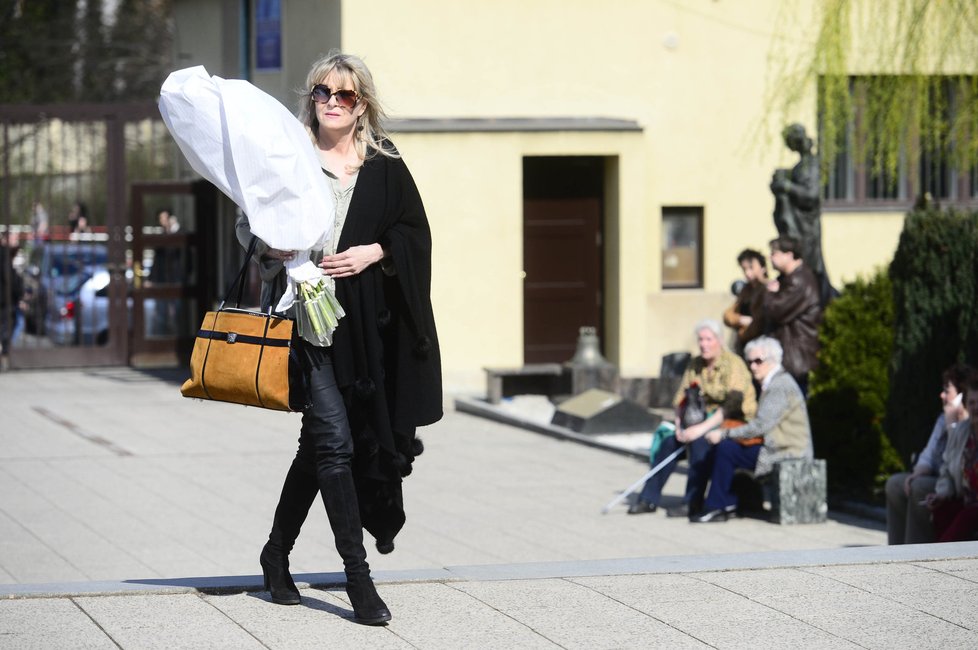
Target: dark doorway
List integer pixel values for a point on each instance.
(563, 204)
(173, 228)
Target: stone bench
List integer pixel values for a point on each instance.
(796, 490)
(533, 379)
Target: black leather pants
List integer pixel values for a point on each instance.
(325, 441)
(322, 464)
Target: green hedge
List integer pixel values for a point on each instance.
(848, 391)
(884, 344)
(935, 297)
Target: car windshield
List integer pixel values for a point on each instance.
(69, 285)
(60, 261)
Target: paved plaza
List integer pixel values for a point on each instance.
(132, 517)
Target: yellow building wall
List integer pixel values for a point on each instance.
(693, 77)
(696, 76)
(858, 243)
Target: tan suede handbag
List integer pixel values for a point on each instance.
(246, 357)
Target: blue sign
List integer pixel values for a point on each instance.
(268, 35)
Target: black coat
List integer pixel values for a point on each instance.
(385, 350)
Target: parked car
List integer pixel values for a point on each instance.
(82, 318)
(55, 272)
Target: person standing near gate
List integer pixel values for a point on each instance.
(40, 224)
(11, 294)
(168, 268)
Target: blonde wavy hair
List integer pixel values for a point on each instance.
(371, 136)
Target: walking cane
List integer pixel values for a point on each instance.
(652, 472)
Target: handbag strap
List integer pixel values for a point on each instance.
(239, 280)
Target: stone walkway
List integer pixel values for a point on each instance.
(111, 483)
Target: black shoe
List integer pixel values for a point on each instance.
(368, 608)
(298, 493)
(278, 580)
(340, 498)
(720, 514)
(681, 510)
(640, 507)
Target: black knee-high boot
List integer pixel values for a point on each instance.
(298, 493)
(340, 498)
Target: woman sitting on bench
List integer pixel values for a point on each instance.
(781, 422)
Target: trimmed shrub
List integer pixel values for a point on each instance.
(848, 392)
(935, 317)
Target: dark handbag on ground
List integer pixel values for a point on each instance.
(246, 357)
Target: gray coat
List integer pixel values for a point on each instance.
(782, 420)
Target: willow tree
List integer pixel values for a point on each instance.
(907, 69)
(895, 86)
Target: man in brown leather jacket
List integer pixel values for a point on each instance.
(792, 309)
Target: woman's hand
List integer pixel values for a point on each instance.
(280, 255)
(932, 500)
(689, 434)
(351, 261)
(910, 479)
(714, 436)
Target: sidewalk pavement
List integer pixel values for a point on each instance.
(131, 517)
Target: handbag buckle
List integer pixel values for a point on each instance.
(232, 337)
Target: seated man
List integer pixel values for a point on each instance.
(908, 521)
(781, 422)
(727, 391)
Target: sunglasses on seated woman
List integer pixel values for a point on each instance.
(345, 98)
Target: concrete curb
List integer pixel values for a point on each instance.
(529, 571)
(484, 409)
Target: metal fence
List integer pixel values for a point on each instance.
(67, 229)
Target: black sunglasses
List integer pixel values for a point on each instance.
(757, 361)
(345, 98)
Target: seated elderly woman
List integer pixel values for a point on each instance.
(727, 391)
(780, 431)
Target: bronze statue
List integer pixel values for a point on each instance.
(797, 205)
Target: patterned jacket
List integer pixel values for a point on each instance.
(728, 383)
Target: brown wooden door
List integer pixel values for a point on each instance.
(562, 283)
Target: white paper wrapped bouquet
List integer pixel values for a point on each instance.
(255, 151)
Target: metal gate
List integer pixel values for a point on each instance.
(68, 263)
